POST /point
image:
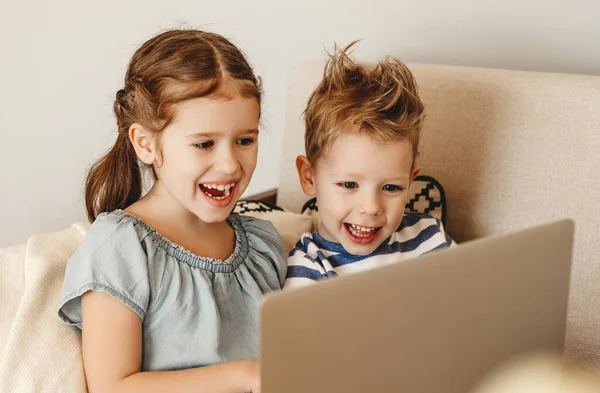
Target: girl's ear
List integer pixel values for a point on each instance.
(144, 143)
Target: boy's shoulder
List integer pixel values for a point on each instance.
(418, 218)
(418, 229)
(304, 244)
(312, 247)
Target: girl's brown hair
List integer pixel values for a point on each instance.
(172, 67)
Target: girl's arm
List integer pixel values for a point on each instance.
(112, 357)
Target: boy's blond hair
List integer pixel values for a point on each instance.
(382, 103)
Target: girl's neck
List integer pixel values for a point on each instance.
(173, 221)
(159, 204)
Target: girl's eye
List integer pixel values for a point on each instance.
(245, 141)
(205, 145)
(392, 188)
(348, 184)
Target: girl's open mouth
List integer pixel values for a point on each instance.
(218, 194)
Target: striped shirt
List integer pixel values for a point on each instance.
(314, 258)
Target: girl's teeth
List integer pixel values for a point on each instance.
(220, 187)
(226, 188)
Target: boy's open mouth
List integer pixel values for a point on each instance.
(217, 191)
(360, 233)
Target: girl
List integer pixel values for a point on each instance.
(171, 281)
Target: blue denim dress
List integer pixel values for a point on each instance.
(195, 311)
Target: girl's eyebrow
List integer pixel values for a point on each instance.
(212, 134)
(202, 135)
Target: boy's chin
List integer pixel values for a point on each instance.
(359, 249)
(348, 244)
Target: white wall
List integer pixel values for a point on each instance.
(61, 63)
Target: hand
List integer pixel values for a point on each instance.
(252, 376)
(256, 385)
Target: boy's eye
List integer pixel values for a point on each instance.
(245, 141)
(348, 184)
(391, 188)
(205, 145)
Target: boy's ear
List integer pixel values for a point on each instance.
(144, 143)
(415, 172)
(306, 175)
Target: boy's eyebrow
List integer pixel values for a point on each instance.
(397, 178)
(357, 176)
(212, 134)
(345, 174)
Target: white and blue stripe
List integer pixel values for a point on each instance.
(314, 258)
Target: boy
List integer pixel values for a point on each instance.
(362, 137)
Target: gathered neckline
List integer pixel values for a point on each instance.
(181, 254)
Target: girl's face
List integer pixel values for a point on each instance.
(207, 155)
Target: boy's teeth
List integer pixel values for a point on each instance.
(359, 231)
(363, 229)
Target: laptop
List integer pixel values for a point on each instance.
(435, 324)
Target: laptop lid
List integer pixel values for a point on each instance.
(437, 323)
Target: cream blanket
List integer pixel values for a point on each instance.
(38, 352)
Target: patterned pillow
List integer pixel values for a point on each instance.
(249, 206)
(426, 195)
(289, 225)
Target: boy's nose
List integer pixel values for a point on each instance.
(371, 205)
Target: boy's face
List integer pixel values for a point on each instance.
(361, 187)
